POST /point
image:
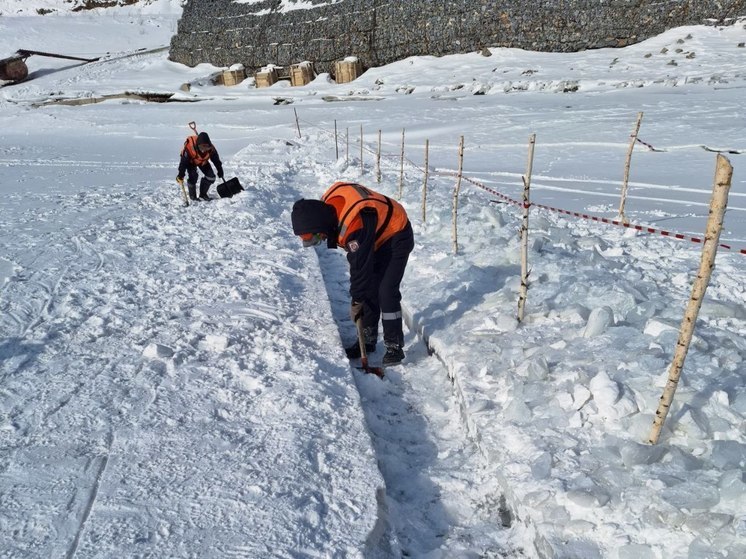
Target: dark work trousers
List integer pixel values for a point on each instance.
(390, 261)
(207, 179)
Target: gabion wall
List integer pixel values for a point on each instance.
(378, 32)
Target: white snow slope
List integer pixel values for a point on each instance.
(172, 379)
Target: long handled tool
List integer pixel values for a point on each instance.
(378, 371)
(183, 192)
(184, 195)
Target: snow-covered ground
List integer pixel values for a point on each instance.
(172, 380)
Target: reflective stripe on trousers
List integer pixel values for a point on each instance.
(391, 261)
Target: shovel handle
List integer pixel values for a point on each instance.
(361, 341)
(378, 371)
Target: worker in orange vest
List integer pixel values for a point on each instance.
(376, 233)
(197, 153)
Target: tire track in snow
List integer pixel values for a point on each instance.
(31, 295)
(67, 298)
(102, 461)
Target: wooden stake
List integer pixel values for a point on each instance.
(625, 183)
(456, 192)
(524, 228)
(297, 122)
(718, 204)
(378, 159)
(424, 184)
(336, 142)
(401, 168)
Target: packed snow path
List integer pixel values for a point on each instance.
(155, 397)
(442, 495)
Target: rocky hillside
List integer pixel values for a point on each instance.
(259, 32)
(61, 7)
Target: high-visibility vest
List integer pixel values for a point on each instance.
(348, 199)
(195, 156)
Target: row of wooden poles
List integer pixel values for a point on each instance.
(718, 206)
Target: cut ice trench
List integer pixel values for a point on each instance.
(423, 448)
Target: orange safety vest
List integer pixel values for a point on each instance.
(190, 147)
(349, 198)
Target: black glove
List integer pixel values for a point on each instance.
(356, 311)
(220, 175)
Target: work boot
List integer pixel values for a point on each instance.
(192, 191)
(203, 192)
(394, 355)
(353, 352)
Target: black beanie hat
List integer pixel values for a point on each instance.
(203, 138)
(315, 216)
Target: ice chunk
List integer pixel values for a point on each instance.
(692, 424)
(691, 496)
(481, 405)
(720, 397)
(669, 333)
(580, 395)
(739, 404)
(700, 549)
(157, 351)
(636, 551)
(666, 518)
(722, 309)
(656, 327)
(214, 343)
(588, 498)
(732, 486)
(534, 369)
(505, 323)
(536, 498)
(490, 215)
(598, 322)
(575, 313)
(605, 391)
(634, 454)
(542, 466)
(708, 522)
(518, 411)
(729, 455)
(6, 270)
(609, 399)
(684, 459)
(565, 400)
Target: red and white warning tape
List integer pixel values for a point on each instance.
(647, 145)
(641, 228)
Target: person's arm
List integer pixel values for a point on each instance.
(360, 248)
(183, 163)
(215, 158)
